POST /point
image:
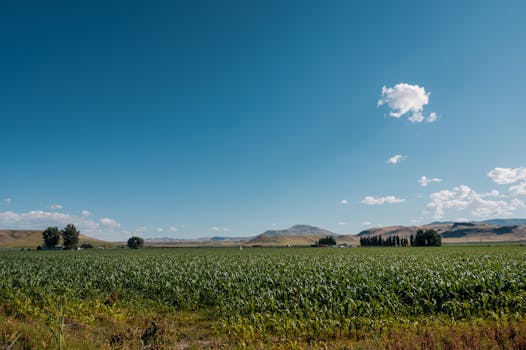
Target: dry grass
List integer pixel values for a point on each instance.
(137, 330)
(134, 329)
(33, 238)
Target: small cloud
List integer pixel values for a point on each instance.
(159, 229)
(85, 213)
(141, 230)
(7, 201)
(219, 229)
(172, 229)
(397, 158)
(344, 201)
(461, 220)
(366, 223)
(407, 99)
(370, 200)
(110, 223)
(432, 117)
(56, 206)
(424, 180)
(343, 223)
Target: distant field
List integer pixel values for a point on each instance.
(372, 298)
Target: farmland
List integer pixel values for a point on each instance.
(281, 298)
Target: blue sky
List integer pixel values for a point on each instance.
(200, 118)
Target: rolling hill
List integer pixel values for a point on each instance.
(461, 232)
(33, 238)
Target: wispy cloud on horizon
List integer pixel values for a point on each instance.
(105, 228)
(370, 200)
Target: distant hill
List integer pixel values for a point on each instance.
(299, 230)
(299, 235)
(33, 238)
(462, 232)
(505, 222)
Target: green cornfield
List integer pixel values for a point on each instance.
(262, 292)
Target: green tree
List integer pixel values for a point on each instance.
(433, 238)
(70, 235)
(428, 238)
(51, 236)
(420, 238)
(328, 240)
(135, 242)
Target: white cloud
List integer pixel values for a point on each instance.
(172, 229)
(424, 180)
(343, 223)
(39, 219)
(370, 200)
(397, 158)
(461, 220)
(141, 230)
(56, 206)
(160, 229)
(219, 229)
(433, 117)
(505, 176)
(7, 201)
(464, 198)
(344, 201)
(105, 228)
(110, 223)
(508, 176)
(85, 213)
(519, 189)
(407, 99)
(366, 223)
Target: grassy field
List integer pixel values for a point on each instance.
(363, 298)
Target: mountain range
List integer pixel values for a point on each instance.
(495, 230)
(297, 235)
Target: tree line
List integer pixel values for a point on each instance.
(427, 238)
(70, 238)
